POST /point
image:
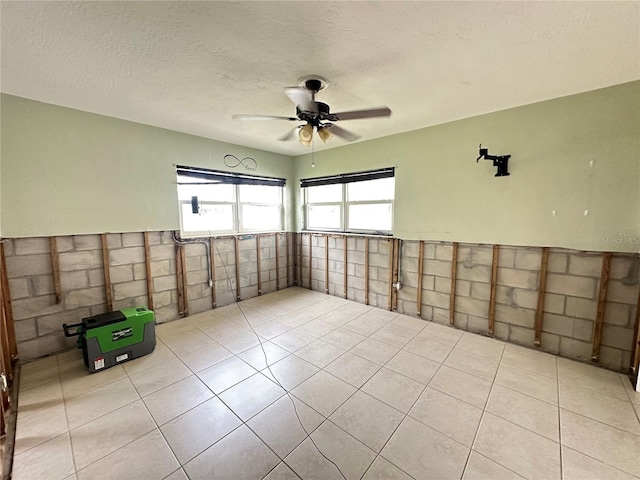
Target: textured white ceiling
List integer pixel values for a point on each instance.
(188, 66)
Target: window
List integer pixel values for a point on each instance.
(352, 202)
(212, 201)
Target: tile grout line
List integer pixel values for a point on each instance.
(629, 391)
(359, 389)
(526, 394)
(181, 465)
(484, 411)
(626, 432)
(559, 421)
(379, 454)
(140, 398)
(66, 415)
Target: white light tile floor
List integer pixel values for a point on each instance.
(380, 396)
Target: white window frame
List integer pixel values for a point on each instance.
(344, 205)
(366, 202)
(236, 209)
(239, 219)
(206, 233)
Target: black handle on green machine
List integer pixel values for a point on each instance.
(66, 328)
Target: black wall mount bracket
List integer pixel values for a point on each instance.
(500, 161)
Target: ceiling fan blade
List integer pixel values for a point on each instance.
(261, 117)
(370, 113)
(289, 135)
(302, 98)
(341, 132)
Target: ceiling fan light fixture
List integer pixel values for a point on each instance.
(305, 134)
(325, 134)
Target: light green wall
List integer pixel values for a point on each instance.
(65, 171)
(70, 172)
(442, 194)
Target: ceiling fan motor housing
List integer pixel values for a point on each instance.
(322, 113)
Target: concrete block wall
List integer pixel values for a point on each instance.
(570, 305)
(38, 318)
(303, 261)
(436, 280)
(336, 264)
(379, 249)
(199, 297)
(355, 269)
(473, 286)
(224, 261)
(570, 302)
(379, 252)
(162, 252)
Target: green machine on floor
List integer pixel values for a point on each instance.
(114, 337)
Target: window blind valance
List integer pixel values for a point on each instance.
(348, 177)
(218, 176)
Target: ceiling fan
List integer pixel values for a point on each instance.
(317, 114)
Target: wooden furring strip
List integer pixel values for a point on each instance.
(212, 251)
(492, 298)
(602, 300)
(286, 249)
(420, 269)
(147, 267)
(277, 262)
(6, 362)
(55, 267)
(185, 287)
(179, 280)
(366, 271)
(345, 266)
(301, 259)
(542, 286)
(310, 261)
(298, 257)
(326, 264)
(258, 268)
(294, 236)
(635, 348)
(6, 303)
(184, 280)
(7, 337)
(454, 270)
(237, 254)
(107, 274)
(397, 246)
(391, 263)
(6, 368)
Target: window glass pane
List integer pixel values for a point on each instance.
(260, 194)
(323, 216)
(324, 193)
(373, 216)
(261, 217)
(213, 192)
(212, 217)
(381, 189)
